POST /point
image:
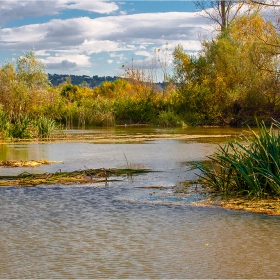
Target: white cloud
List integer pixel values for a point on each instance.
(103, 7)
(19, 9)
(143, 53)
(63, 65)
(66, 59)
(71, 42)
(117, 32)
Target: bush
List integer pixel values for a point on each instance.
(3, 120)
(45, 126)
(248, 167)
(132, 111)
(20, 127)
(169, 118)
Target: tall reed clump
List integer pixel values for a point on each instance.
(3, 122)
(248, 167)
(20, 127)
(45, 126)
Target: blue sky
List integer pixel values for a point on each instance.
(97, 37)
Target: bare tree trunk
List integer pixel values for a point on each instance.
(223, 14)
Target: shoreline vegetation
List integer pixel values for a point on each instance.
(211, 198)
(232, 81)
(245, 173)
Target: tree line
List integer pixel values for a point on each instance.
(232, 80)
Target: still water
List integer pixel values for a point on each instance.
(121, 230)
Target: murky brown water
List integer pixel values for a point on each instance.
(122, 231)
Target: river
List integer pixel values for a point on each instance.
(121, 229)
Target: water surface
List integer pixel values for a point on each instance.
(120, 230)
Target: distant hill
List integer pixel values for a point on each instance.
(57, 79)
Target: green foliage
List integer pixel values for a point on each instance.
(169, 118)
(45, 126)
(71, 93)
(20, 127)
(133, 111)
(100, 113)
(3, 120)
(235, 75)
(23, 85)
(250, 166)
(230, 81)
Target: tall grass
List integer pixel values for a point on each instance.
(20, 127)
(250, 166)
(3, 120)
(45, 126)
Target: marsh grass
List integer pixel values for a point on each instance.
(45, 126)
(79, 176)
(3, 123)
(250, 166)
(20, 127)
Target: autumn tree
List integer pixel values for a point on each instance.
(23, 85)
(226, 79)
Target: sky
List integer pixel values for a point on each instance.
(99, 37)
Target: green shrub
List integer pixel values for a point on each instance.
(3, 120)
(20, 127)
(248, 167)
(45, 126)
(132, 111)
(169, 118)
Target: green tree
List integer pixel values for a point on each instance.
(23, 85)
(226, 79)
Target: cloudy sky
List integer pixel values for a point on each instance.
(97, 37)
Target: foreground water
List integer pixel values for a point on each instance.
(121, 230)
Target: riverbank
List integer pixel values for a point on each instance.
(210, 198)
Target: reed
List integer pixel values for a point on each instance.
(250, 166)
(45, 126)
(20, 127)
(3, 120)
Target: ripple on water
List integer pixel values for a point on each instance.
(76, 232)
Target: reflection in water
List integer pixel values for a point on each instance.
(122, 231)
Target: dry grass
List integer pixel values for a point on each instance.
(22, 163)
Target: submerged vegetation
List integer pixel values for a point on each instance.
(79, 176)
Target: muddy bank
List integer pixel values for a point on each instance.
(211, 198)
